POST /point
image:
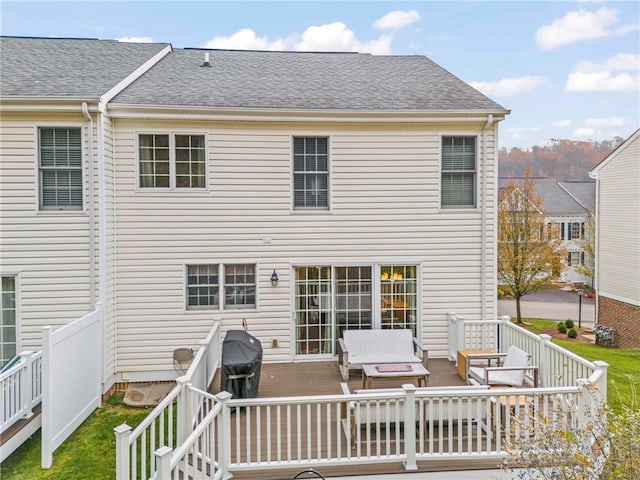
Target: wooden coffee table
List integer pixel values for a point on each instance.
(405, 371)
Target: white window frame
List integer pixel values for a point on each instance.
(573, 254)
(579, 228)
(16, 277)
(475, 172)
(376, 294)
(222, 305)
(297, 208)
(172, 161)
(38, 177)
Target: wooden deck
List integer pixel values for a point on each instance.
(323, 378)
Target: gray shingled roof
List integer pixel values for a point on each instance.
(584, 192)
(299, 80)
(73, 68)
(556, 200)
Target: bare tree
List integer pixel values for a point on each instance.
(529, 256)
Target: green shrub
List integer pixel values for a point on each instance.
(562, 328)
(569, 323)
(572, 333)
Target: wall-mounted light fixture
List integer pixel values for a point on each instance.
(274, 278)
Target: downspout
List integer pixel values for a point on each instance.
(596, 242)
(92, 216)
(483, 243)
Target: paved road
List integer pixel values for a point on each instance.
(552, 304)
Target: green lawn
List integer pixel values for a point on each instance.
(623, 375)
(88, 454)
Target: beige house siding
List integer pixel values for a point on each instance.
(384, 192)
(618, 252)
(49, 249)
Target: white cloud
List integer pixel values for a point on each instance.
(604, 122)
(338, 37)
(602, 82)
(535, 129)
(246, 39)
(334, 37)
(397, 19)
(602, 77)
(562, 123)
(580, 25)
(135, 39)
(584, 132)
(622, 61)
(516, 132)
(508, 87)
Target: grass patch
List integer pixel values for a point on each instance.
(88, 453)
(623, 374)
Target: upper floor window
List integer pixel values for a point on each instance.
(171, 161)
(205, 284)
(60, 165)
(310, 173)
(576, 230)
(458, 178)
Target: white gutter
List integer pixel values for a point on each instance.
(92, 217)
(483, 243)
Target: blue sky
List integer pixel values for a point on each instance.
(565, 69)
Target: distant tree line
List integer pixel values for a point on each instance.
(561, 159)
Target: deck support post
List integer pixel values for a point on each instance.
(544, 368)
(224, 448)
(183, 429)
(26, 384)
(122, 433)
(410, 426)
(163, 463)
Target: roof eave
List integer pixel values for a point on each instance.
(46, 103)
(119, 110)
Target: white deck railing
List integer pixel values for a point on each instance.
(174, 419)
(225, 436)
(21, 387)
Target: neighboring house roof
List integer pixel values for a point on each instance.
(594, 173)
(561, 198)
(583, 191)
(68, 68)
(303, 81)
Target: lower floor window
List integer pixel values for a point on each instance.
(206, 282)
(576, 259)
(8, 320)
(329, 300)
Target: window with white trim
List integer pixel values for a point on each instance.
(576, 259)
(310, 173)
(576, 230)
(458, 172)
(8, 337)
(60, 168)
(237, 282)
(173, 161)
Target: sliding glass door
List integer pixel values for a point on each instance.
(331, 299)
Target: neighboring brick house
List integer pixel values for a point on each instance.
(618, 241)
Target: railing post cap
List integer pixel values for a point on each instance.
(224, 396)
(545, 337)
(122, 429)
(183, 380)
(600, 364)
(505, 318)
(162, 451)
(409, 387)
